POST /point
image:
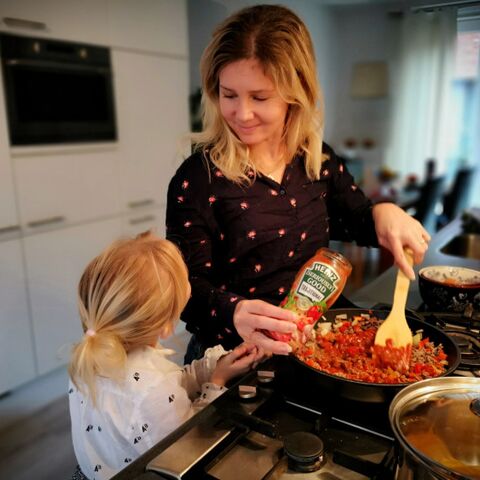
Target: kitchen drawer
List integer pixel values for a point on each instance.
(55, 261)
(145, 219)
(151, 125)
(61, 188)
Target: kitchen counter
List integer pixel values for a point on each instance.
(381, 289)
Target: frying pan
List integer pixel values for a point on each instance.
(321, 383)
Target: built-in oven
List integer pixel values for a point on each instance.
(57, 92)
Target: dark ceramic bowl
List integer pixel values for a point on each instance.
(451, 289)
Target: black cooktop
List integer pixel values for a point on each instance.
(354, 438)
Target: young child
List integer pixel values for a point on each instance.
(125, 395)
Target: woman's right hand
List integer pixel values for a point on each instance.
(252, 316)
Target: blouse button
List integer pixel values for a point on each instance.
(282, 191)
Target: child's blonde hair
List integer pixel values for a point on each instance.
(128, 296)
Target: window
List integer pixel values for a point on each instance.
(465, 145)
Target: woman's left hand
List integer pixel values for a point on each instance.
(396, 230)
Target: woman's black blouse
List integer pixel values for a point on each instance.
(245, 242)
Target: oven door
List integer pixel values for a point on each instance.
(49, 102)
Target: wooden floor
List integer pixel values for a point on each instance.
(39, 446)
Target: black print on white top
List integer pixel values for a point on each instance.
(99, 429)
(171, 398)
(137, 439)
(127, 460)
(70, 391)
(90, 427)
(144, 427)
(136, 376)
(97, 468)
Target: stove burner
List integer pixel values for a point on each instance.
(469, 346)
(304, 451)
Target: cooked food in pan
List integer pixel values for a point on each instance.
(345, 348)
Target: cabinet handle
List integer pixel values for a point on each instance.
(141, 203)
(23, 23)
(145, 218)
(46, 221)
(9, 229)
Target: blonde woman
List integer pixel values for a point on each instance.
(125, 395)
(262, 192)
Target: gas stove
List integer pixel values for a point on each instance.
(265, 428)
(258, 431)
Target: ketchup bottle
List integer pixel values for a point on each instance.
(317, 285)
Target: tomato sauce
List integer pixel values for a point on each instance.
(346, 349)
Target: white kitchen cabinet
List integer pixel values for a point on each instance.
(149, 25)
(8, 211)
(66, 187)
(57, 19)
(151, 124)
(16, 346)
(55, 261)
(145, 219)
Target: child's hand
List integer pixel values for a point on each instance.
(239, 361)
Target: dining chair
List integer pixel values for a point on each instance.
(456, 199)
(430, 195)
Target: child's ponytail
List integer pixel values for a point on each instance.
(127, 297)
(98, 353)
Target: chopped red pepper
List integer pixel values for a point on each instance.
(346, 351)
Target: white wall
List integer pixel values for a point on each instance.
(365, 33)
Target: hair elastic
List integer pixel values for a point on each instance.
(90, 332)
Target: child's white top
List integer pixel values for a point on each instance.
(155, 397)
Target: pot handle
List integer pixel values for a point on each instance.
(475, 406)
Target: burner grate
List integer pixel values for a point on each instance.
(464, 331)
(469, 345)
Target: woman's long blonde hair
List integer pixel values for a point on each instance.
(280, 41)
(127, 296)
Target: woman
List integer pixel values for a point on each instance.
(261, 192)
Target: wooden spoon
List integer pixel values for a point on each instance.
(393, 341)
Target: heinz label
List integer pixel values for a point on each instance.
(318, 283)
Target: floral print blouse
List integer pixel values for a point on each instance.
(246, 242)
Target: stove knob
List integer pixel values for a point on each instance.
(247, 392)
(265, 376)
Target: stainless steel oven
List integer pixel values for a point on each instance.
(57, 92)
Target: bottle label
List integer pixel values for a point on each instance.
(318, 283)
